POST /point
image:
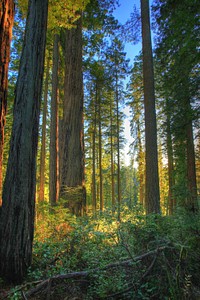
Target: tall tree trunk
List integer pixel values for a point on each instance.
(141, 166)
(6, 24)
(100, 156)
(118, 152)
(17, 216)
(72, 172)
(152, 194)
(191, 169)
(41, 188)
(94, 196)
(198, 162)
(171, 180)
(112, 158)
(53, 160)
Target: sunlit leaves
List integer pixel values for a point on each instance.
(65, 13)
(62, 13)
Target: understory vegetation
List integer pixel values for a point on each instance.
(138, 257)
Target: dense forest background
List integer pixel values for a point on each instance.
(78, 220)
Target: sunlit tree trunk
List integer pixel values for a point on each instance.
(162, 181)
(72, 166)
(41, 188)
(53, 161)
(6, 24)
(17, 216)
(152, 194)
(141, 166)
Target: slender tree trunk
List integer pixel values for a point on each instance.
(118, 152)
(198, 162)
(141, 166)
(100, 157)
(6, 24)
(171, 180)
(17, 216)
(94, 199)
(112, 158)
(152, 194)
(72, 172)
(191, 170)
(41, 188)
(53, 161)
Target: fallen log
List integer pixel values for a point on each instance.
(44, 284)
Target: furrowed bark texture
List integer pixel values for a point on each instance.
(17, 217)
(152, 194)
(6, 24)
(72, 166)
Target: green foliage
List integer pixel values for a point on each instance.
(62, 14)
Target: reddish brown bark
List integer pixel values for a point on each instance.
(6, 24)
(152, 193)
(72, 184)
(18, 209)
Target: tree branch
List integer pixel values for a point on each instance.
(73, 275)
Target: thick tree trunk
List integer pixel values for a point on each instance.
(53, 161)
(72, 166)
(152, 194)
(6, 24)
(17, 216)
(41, 188)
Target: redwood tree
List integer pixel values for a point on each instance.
(152, 194)
(17, 216)
(72, 156)
(6, 24)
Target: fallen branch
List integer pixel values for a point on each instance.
(44, 284)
